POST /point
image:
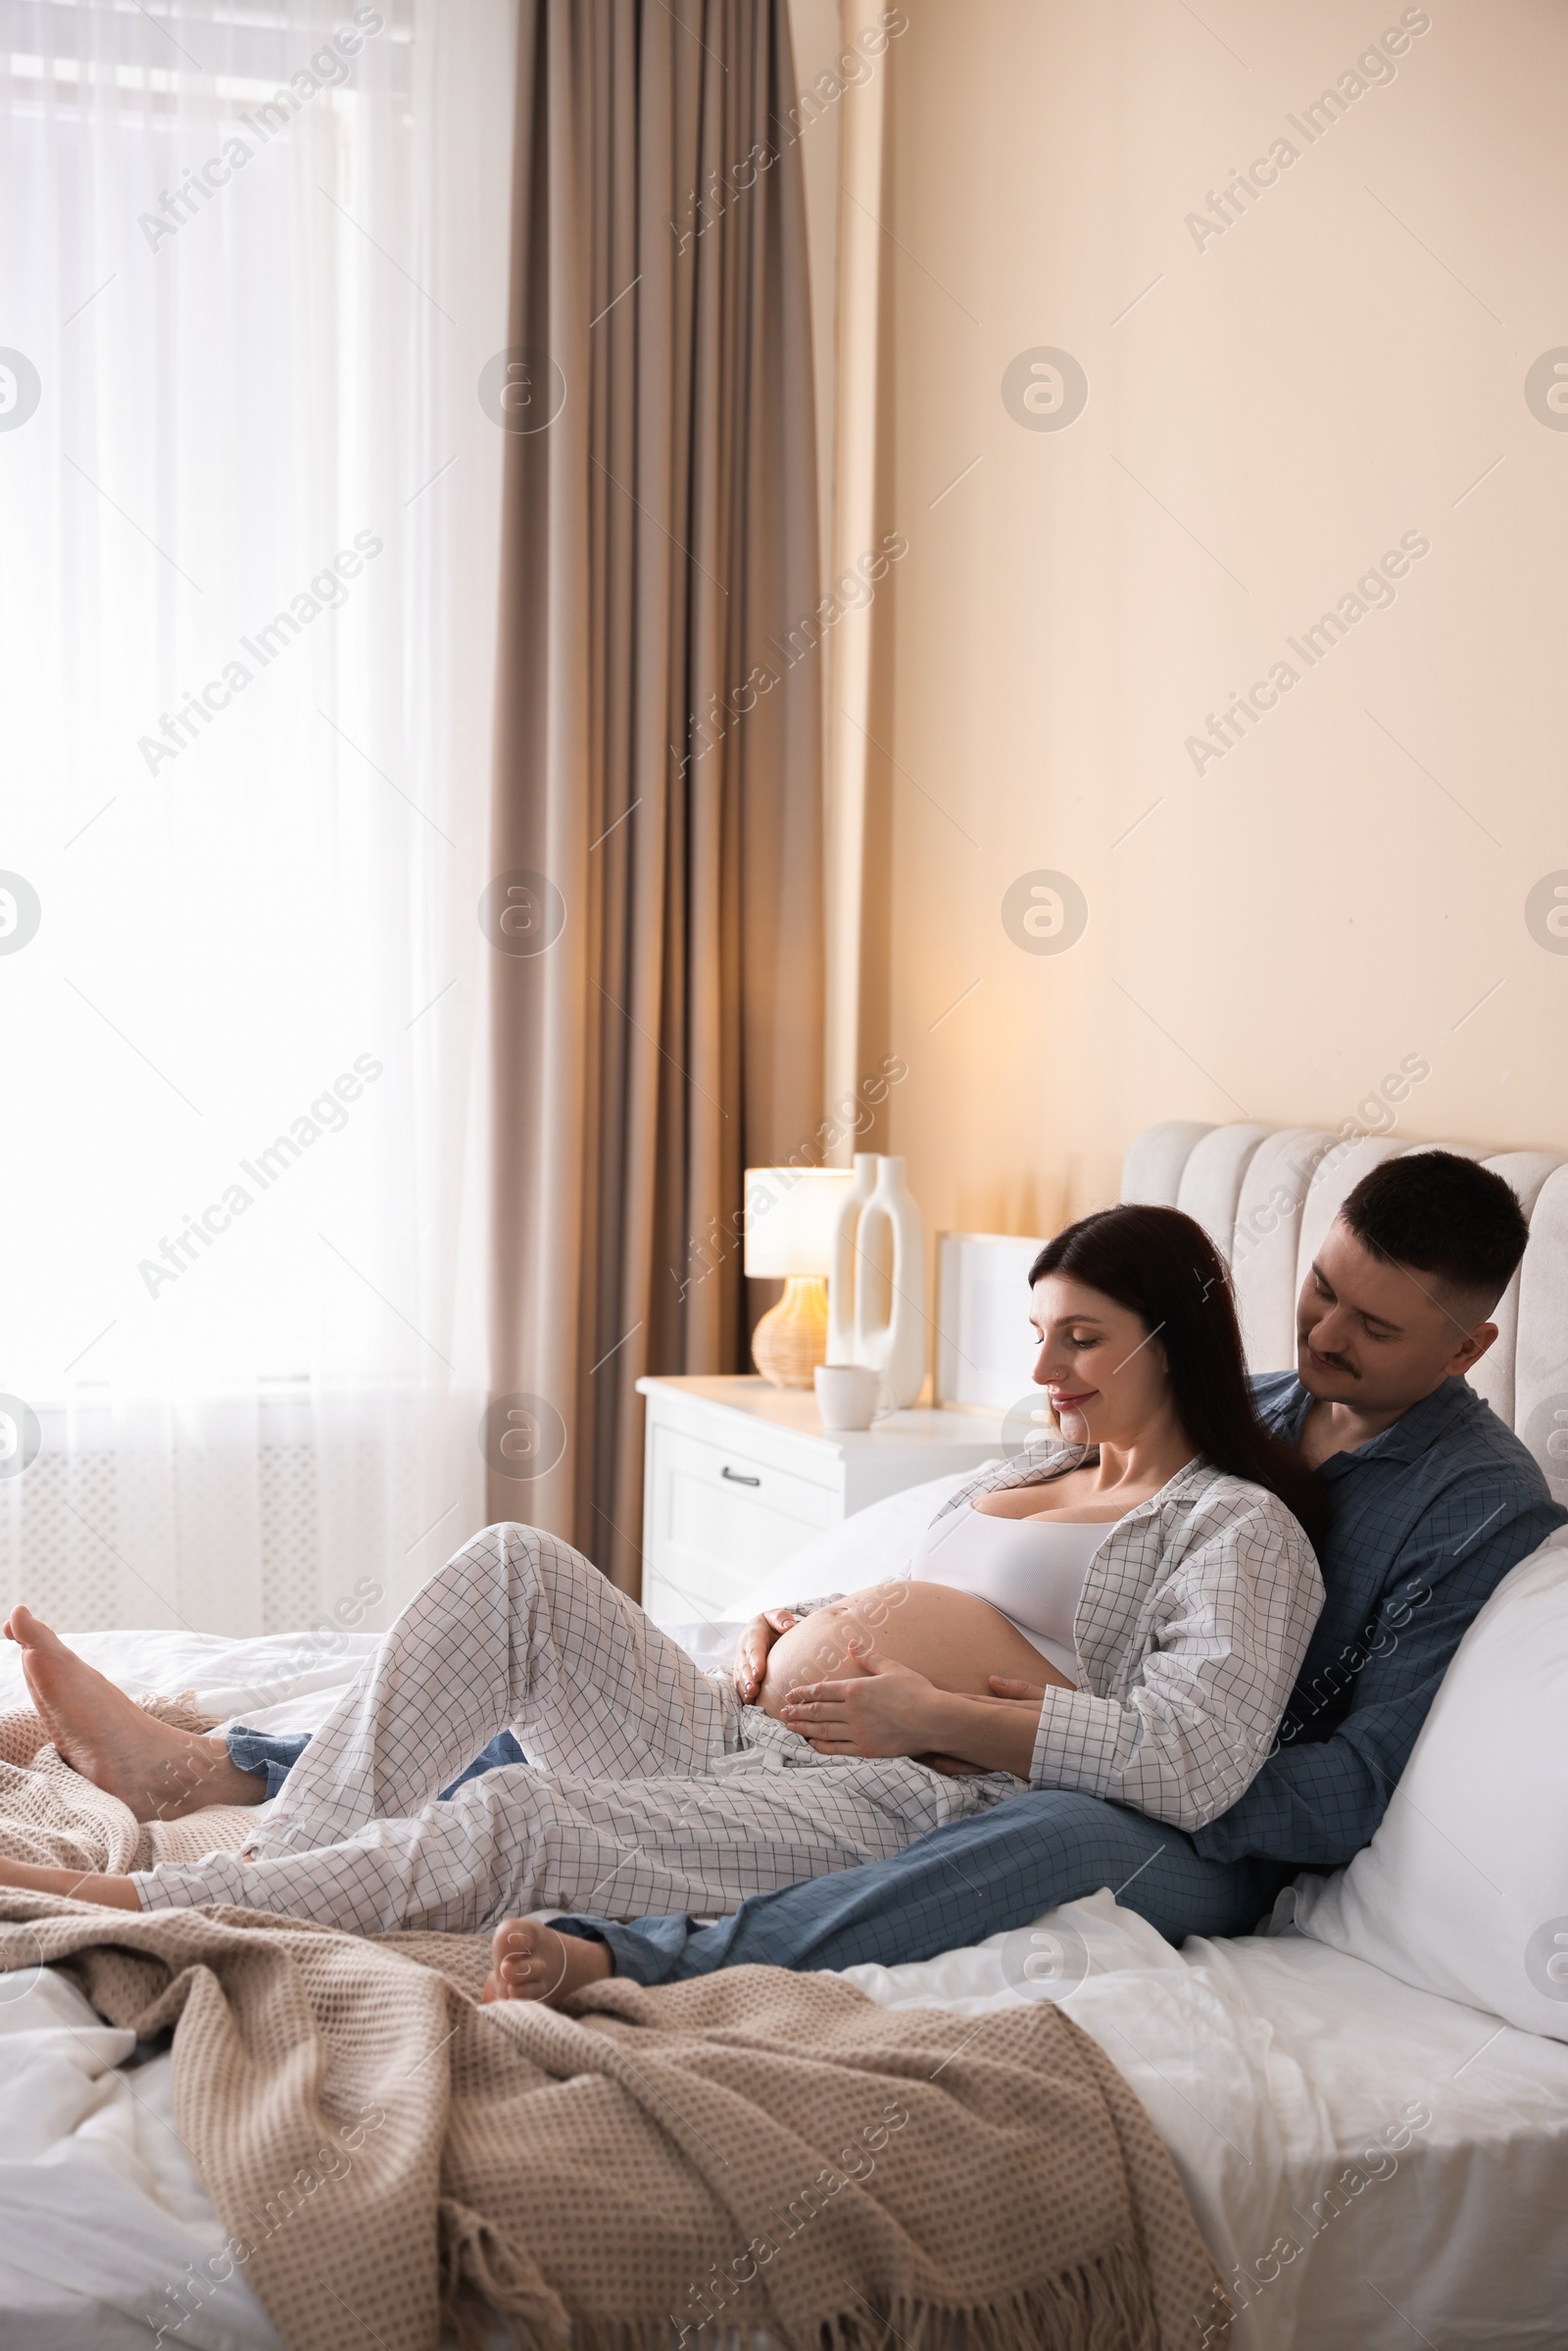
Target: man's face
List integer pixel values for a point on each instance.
(1377, 1334)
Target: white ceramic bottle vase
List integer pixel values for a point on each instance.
(890, 1285)
(842, 1284)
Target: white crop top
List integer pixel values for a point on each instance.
(1031, 1571)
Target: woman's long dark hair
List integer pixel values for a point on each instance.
(1163, 1267)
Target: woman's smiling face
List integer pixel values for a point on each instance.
(1106, 1374)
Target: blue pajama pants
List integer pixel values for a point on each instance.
(985, 1874)
(276, 1752)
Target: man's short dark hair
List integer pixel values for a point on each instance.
(1443, 1215)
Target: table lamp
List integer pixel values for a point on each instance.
(789, 1218)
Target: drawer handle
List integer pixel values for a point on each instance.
(738, 1477)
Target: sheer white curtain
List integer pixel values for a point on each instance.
(248, 545)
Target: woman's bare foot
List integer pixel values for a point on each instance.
(162, 1773)
(529, 1961)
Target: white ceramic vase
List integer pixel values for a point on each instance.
(841, 1277)
(889, 1284)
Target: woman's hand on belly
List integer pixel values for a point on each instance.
(955, 1641)
(890, 1709)
(752, 1651)
(886, 1709)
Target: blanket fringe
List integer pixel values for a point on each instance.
(1102, 2305)
(483, 2273)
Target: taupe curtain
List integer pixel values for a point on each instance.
(655, 902)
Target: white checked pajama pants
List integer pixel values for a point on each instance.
(649, 1788)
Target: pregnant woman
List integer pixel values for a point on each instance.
(1120, 1609)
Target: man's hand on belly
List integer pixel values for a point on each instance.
(889, 1710)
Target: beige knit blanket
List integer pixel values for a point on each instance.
(753, 2148)
(49, 1815)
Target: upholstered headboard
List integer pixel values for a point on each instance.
(1267, 1195)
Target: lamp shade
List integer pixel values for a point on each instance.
(790, 1216)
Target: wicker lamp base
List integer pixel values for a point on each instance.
(791, 1340)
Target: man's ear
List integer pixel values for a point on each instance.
(1471, 1348)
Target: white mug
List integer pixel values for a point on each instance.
(851, 1397)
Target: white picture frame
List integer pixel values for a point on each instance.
(985, 1348)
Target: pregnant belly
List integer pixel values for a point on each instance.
(954, 1639)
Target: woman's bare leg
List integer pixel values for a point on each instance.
(530, 1961)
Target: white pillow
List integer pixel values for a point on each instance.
(875, 1546)
(1464, 1888)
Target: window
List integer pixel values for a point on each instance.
(248, 515)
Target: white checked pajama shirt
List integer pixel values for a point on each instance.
(651, 1788)
(1191, 1630)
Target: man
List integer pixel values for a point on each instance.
(1434, 1499)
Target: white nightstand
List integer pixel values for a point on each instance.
(738, 1475)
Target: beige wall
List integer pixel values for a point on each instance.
(1339, 891)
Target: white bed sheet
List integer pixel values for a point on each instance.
(286, 1681)
(102, 2214)
(1270, 2066)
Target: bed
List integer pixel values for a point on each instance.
(1272, 2067)
(1373, 2161)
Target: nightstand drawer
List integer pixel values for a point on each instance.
(721, 1518)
